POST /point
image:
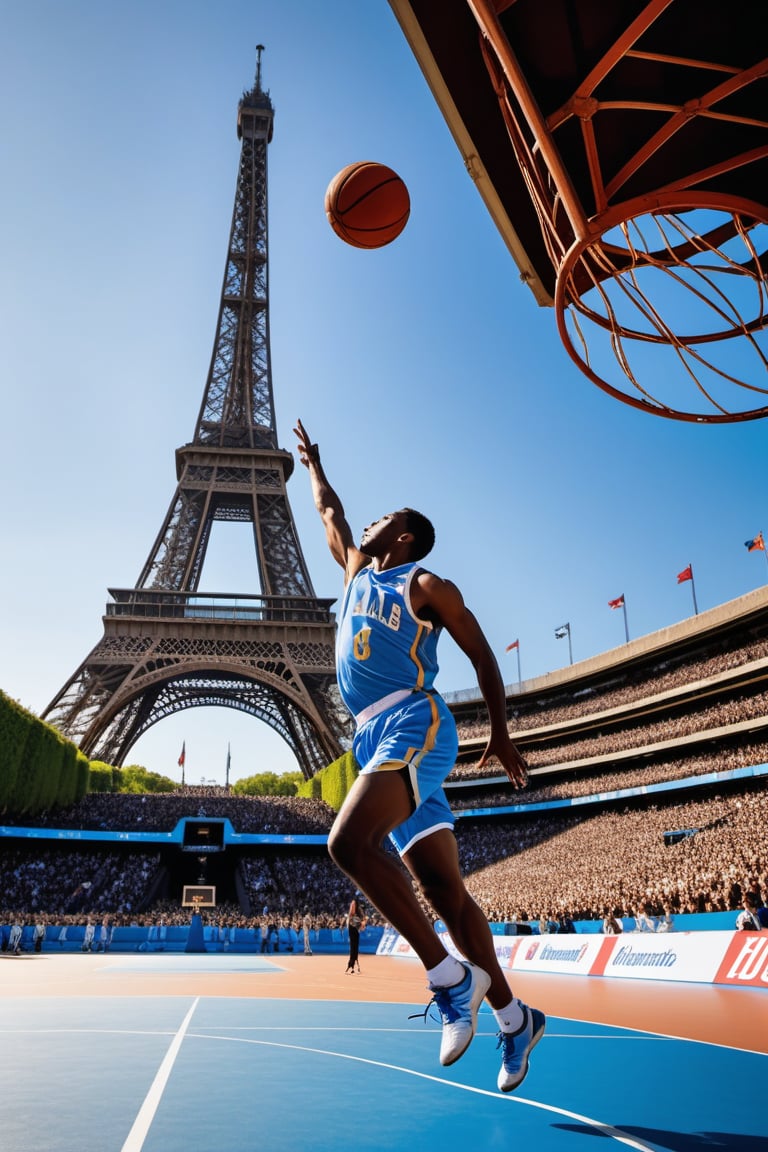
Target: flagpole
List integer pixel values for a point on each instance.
(626, 626)
(570, 648)
(561, 631)
(519, 677)
(693, 590)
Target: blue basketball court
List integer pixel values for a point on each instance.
(112, 1067)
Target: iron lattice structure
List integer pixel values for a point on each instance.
(622, 150)
(167, 646)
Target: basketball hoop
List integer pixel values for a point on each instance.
(676, 300)
(644, 172)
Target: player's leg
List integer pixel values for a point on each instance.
(433, 861)
(376, 803)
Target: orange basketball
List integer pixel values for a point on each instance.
(367, 204)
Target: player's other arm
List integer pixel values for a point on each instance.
(337, 531)
(444, 600)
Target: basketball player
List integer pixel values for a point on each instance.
(405, 744)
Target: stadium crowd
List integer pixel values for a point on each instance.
(550, 867)
(596, 783)
(521, 869)
(607, 743)
(618, 860)
(62, 880)
(161, 812)
(544, 712)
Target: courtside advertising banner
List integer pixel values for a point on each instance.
(568, 955)
(689, 956)
(746, 961)
(737, 958)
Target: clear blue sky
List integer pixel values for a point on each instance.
(426, 371)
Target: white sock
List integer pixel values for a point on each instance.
(447, 973)
(509, 1019)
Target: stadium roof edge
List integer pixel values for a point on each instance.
(721, 618)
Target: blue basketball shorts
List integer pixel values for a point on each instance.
(418, 735)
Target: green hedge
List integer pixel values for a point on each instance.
(332, 783)
(101, 777)
(39, 769)
(15, 727)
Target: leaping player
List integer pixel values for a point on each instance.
(405, 744)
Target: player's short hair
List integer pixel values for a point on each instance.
(422, 531)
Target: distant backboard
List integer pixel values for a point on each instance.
(198, 896)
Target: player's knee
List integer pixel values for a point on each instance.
(343, 848)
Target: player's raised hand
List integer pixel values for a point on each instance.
(308, 452)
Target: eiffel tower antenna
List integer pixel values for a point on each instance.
(259, 50)
(168, 646)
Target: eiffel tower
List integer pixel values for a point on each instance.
(168, 646)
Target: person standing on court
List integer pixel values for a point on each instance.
(354, 924)
(306, 926)
(405, 744)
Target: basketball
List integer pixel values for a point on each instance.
(367, 204)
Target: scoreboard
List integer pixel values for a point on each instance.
(203, 836)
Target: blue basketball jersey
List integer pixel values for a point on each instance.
(381, 646)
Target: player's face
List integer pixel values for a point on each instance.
(378, 537)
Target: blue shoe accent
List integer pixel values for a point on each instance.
(458, 1007)
(516, 1048)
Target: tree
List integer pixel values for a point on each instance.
(134, 778)
(268, 784)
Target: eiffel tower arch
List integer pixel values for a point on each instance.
(167, 645)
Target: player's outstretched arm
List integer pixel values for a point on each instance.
(444, 600)
(337, 531)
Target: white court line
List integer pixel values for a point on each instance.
(141, 1125)
(430, 1034)
(86, 1031)
(597, 1125)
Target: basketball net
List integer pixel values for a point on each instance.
(660, 299)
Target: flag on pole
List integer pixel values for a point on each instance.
(756, 545)
(686, 574)
(514, 644)
(619, 602)
(562, 631)
(183, 755)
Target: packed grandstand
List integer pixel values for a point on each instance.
(647, 793)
